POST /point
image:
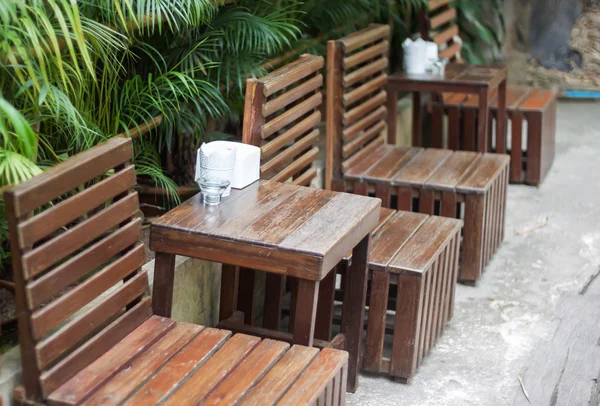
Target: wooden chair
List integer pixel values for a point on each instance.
(393, 244)
(429, 181)
(531, 147)
(86, 329)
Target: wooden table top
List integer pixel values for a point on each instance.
(457, 74)
(273, 218)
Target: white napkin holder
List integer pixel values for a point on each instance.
(216, 160)
(247, 166)
(415, 56)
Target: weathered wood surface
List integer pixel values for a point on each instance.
(565, 368)
(356, 103)
(270, 226)
(440, 180)
(532, 114)
(189, 364)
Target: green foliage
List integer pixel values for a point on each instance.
(482, 29)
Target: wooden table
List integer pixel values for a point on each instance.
(482, 80)
(280, 228)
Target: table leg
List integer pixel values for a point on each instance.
(325, 306)
(354, 308)
(246, 294)
(306, 312)
(417, 127)
(501, 120)
(229, 291)
(482, 121)
(164, 277)
(392, 105)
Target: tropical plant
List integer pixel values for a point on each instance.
(482, 29)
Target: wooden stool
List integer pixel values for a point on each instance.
(84, 250)
(435, 181)
(530, 143)
(413, 271)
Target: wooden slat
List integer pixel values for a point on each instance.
(364, 72)
(277, 381)
(364, 152)
(70, 174)
(435, 4)
(359, 111)
(381, 48)
(43, 288)
(291, 115)
(418, 170)
(363, 165)
(480, 177)
(297, 165)
(447, 176)
(288, 154)
(254, 367)
(108, 339)
(446, 35)
(314, 379)
(50, 316)
(212, 373)
(364, 123)
(50, 220)
(306, 177)
(362, 139)
(333, 147)
(451, 51)
(392, 237)
(127, 380)
(364, 37)
(68, 336)
(296, 93)
(179, 368)
(442, 18)
(424, 247)
(380, 285)
(285, 76)
(309, 123)
(364, 90)
(49, 253)
(389, 165)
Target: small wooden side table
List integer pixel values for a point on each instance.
(485, 81)
(280, 228)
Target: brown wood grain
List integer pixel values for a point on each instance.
(270, 389)
(310, 385)
(127, 380)
(255, 366)
(71, 174)
(198, 386)
(366, 36)
(179, 368)
(421, 167)
(86, 382)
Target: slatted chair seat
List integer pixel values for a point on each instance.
(435, 181)
(530, 146)
(413, 270)
(86, 329)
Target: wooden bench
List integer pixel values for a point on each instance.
(295, 149)
(413, 271)
(86, 329)
(531, 111)
(530, 141)
(433, 181)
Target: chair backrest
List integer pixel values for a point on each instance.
(438, 24)
(356, 98)
(281, 116)
(74, 235)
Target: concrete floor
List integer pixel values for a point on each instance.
(498, 324)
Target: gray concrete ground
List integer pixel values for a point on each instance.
(498, 324)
